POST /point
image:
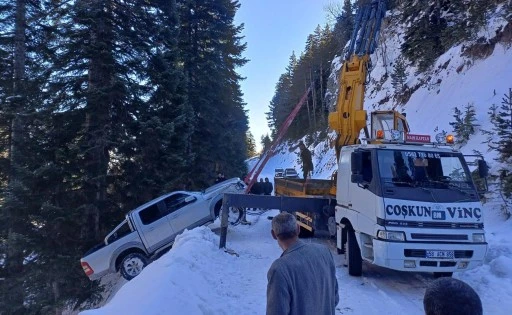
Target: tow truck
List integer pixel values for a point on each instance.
(398, 200)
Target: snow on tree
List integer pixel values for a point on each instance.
(399, 75)
(464, 124)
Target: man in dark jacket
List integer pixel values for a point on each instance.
(257, 188)
(303, 280)
(307, 162)
(267, 187)
(448, 296)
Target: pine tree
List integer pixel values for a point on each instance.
(96, 104)
(464, 124)
(250, 144)
(423, 38)
(266, 142)
(399, 75)
(504, 141)
(344, 25)
(19, 115)
(469, 120)
(458, 124)
(211, 51)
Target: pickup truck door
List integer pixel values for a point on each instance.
(156, 230)
(186, 211)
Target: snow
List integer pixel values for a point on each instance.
(196, 277)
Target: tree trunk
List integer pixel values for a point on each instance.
(313, 89)
(98, 123)
(14, 261)
(322, 92)
(307, 101)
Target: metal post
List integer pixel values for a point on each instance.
(224, 222)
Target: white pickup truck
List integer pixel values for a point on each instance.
(151, 228)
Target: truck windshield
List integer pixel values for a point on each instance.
(424, 169)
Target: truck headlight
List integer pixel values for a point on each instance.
(391, 235)
(478, 238)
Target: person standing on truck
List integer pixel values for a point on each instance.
(267, 187)
(303, 280)
(307, 162)
(448, 296)
(262, 186)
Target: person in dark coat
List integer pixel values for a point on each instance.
(267, 187)
(448, 296)
(307, 162)
(303, 280)
(257, 188)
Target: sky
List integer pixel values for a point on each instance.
(273, 30)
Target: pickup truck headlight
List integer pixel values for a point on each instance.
(478, 238)
(391, 235)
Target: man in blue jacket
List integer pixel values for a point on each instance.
(303, 280)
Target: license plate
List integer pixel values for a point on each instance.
(448, 254)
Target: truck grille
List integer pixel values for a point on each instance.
(430, 263)
(430, 225)
(421, 253)
(447, 237)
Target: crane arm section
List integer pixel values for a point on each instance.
(349, 116)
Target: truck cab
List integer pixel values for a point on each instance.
(408, 207)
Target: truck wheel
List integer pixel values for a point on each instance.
(443, 274)
(353, 255)
(132, 265)
(235, 214)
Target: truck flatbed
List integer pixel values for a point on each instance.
(299, 187)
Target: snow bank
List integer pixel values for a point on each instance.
(161, 288)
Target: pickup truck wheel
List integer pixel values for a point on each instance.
(353, 255)
(132, 265)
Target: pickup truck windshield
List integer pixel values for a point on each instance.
(438, 170)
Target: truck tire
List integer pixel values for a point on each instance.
(132, 265)
(353, 255)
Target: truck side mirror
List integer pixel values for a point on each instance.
(356, 165)
(483, 169)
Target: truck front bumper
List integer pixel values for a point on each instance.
(409, 256)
